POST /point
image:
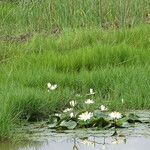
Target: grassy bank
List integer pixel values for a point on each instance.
(114, 63)
(66, 44)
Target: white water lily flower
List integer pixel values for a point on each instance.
(73, 103)
(91, 92)
(72, 115)
(85, 116)
(103, 108)
(67, 110)
(115, 115)
(58, 115)
(51, 87)
(89, 101)
(88, 143)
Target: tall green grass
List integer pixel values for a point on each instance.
(43, 15)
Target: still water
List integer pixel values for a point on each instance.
(92, 143)
(137, 137)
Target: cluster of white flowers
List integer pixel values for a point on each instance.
(51, 87)
(86, 115)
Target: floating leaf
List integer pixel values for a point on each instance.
(68, 124)
(115, 133)
(52, 123)
(99, 114)
(122, 123)
(108, 126)
(132, 118)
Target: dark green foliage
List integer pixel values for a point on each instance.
(99, 121)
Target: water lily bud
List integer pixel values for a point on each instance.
(73, 103)
(103, 108)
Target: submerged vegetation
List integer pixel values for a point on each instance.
(68, 45)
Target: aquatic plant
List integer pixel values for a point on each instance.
(73, 118)
(103, 108)
(85, 116)
(51, 87)
(73, 103)
(115, 115)
(89, 101)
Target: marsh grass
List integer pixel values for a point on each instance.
(115, 63)
(111, 62)
(43, 15)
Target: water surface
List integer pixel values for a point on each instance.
(137, 137)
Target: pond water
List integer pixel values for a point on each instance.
(137, 137)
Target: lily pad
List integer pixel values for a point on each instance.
(122, 123)
(132, 118)
(52, 126)
(68, 124)
(100, 114)
(52, 122)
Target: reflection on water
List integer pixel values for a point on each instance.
(118, 142)
(133, 138)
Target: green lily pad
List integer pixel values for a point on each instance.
(100, 114)
(132, 118)
(108, 126)
(68, 124)
(52, 123)
(122, 123)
